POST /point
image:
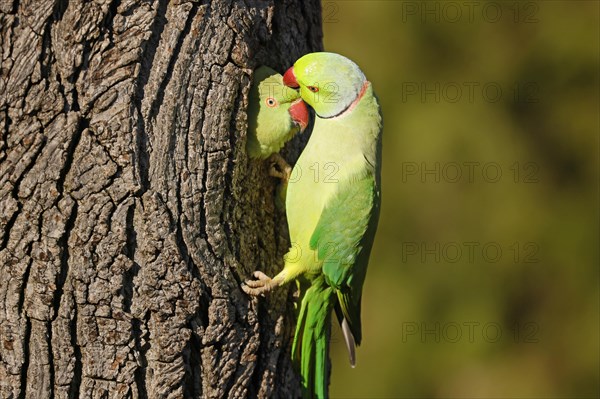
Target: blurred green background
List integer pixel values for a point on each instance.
(484, 277)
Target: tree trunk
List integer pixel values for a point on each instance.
(130, 212)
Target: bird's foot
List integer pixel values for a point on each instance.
(279, 167)
(263, 285)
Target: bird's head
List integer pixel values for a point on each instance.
(277, 99)
(328, 82)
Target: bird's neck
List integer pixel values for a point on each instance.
(362, 92)
(352, 105)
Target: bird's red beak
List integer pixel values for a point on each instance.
(289, 79)
(299, 113)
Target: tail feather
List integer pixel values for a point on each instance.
(350, 344)
(348, 334)
(311, 340)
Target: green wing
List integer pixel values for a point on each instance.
(343, 240)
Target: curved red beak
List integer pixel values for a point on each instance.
(289, 79)
(299, 113)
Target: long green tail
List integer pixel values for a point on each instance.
(310, 348)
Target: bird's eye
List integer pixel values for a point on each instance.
(271, 102)
(314, 89)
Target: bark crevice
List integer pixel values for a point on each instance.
(132, 272)
(64, 260)
(51, 370)
(173, 58)
(69, 156)
(73, 392)
(142, 361)
(25, 366)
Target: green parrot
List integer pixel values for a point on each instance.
(275, 114)
(332, 210)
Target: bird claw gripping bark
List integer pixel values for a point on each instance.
(262, 285)
(283, 169)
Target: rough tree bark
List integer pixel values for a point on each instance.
(129, 210)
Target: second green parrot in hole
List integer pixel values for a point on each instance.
(275, 114)
(332, 210)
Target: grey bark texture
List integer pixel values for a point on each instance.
(129, 210)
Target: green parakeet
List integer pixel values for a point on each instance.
(275, 114)
(332, 210)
